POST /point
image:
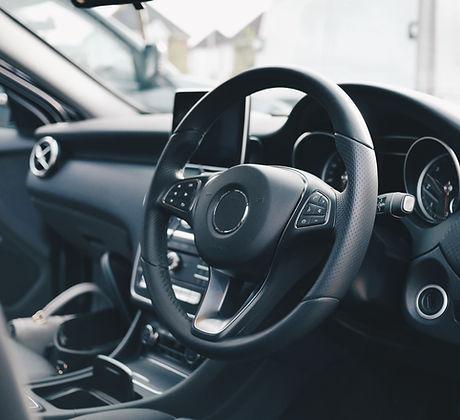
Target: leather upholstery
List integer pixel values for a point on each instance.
(32, 365)
(11, 395)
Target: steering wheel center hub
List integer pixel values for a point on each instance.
(238, 218)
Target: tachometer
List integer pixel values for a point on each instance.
(438, 189)
(334, 172)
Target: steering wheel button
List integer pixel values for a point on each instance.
(303, 221)
(317, 220)
(314, 198)
(319, 211)
(322, 202)
(181, 195)
(308, 210)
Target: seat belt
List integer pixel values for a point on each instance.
(37, 332)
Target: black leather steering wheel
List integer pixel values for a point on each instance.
(266, 226)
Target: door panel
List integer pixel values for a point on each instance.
(25, 252)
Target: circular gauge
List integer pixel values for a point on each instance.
(334, 172)
(438, 188)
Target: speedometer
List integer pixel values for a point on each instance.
(334, 172)
(437, 189)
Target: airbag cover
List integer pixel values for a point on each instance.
(242, 212)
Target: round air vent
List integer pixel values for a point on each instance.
(44, 156)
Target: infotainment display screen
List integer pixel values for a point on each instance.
(224, 145)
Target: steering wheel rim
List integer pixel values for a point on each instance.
(350, 216)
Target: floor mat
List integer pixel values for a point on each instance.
(368, 389)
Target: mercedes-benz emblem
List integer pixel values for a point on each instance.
(43, 156)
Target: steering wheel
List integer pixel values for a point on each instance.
(270, 234)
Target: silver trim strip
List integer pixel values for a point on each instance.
(117, 363)
(141, 376)
(132, 288)
(167, 367)
(186, 295)
(147, 387)
(34, 405)
(200, 277)
(180, 234)
(204, 168)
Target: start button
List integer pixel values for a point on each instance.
(431, 301)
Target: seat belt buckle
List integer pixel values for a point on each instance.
(39, 317)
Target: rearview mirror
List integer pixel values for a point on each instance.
(86, 4)
(147, 66)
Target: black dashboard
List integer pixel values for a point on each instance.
(409, 277)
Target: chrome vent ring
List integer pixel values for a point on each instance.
(44, 156)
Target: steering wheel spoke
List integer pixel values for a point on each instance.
(227, 307)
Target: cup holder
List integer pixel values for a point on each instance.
(79, 340)
(110, 382)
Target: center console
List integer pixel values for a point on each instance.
(149, 361)
(189, 276)
(189, 273)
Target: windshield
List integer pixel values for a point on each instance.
(176, 44)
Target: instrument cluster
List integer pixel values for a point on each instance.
(431, 171)
(432, 175)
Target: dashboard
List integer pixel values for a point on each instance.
(410, 279)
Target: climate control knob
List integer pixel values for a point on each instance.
(174, 261)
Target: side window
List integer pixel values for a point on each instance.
(96, 48)
(5, 111)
